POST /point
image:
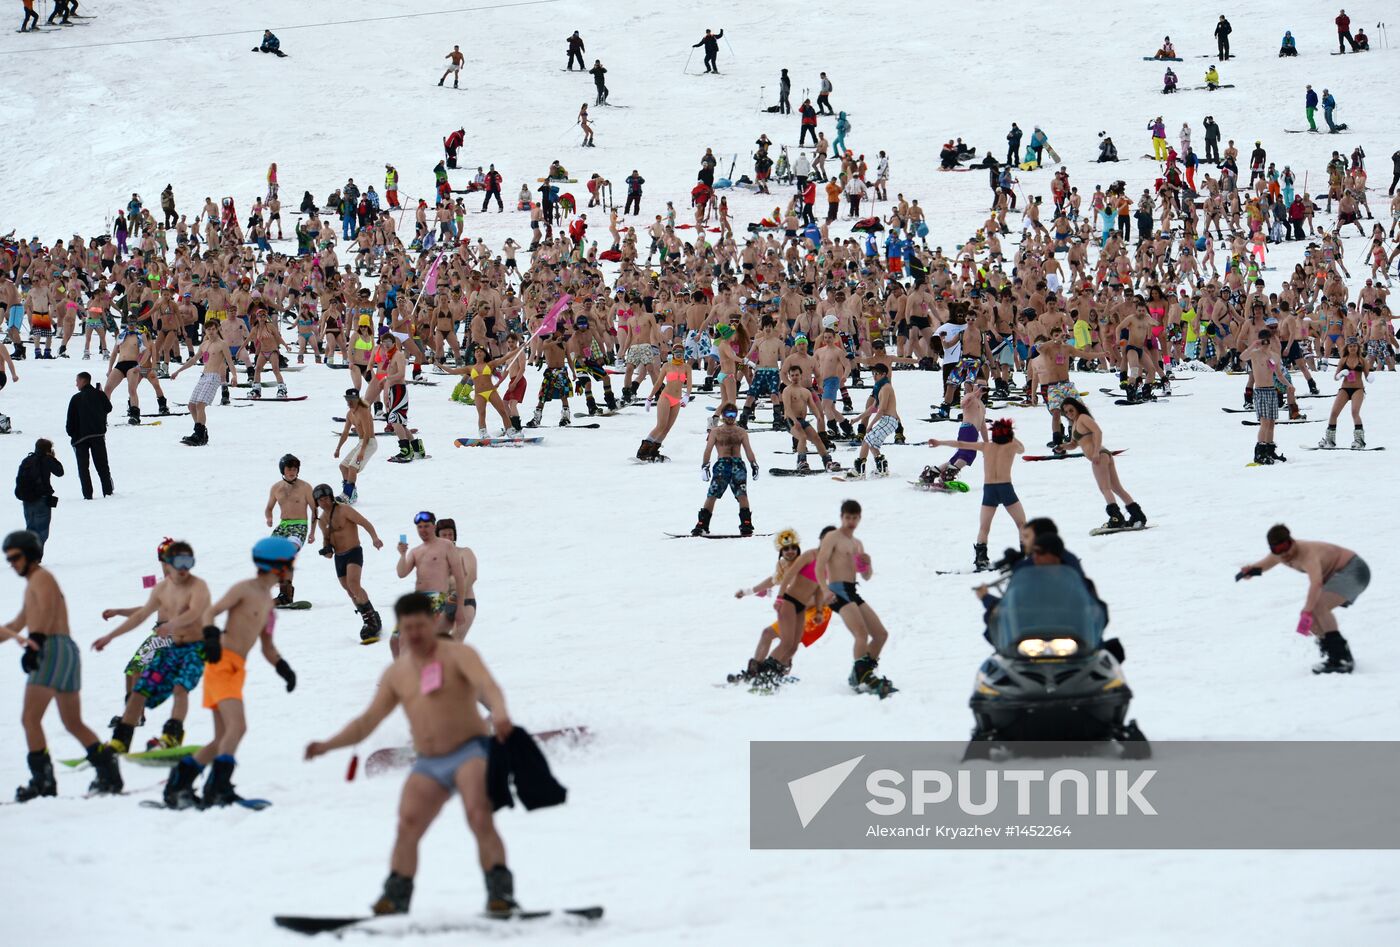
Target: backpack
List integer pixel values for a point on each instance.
(29, 481)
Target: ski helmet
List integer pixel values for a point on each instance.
(273, 552)
(288, 460)
(27, 543)
(320, 491)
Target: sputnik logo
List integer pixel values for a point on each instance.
(812, 792)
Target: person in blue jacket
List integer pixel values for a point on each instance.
(1289, 46)
(1328, 105)
(838, 147)
(1038, 140)
(1310, 104)
(270, 44)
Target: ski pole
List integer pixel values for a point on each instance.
(686, 70)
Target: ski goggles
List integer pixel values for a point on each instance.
(729, 414)
(424, 517)
(183, 561)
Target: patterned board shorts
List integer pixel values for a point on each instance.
(180, 665)
(295, 530)
(966, 370)
(398, 405)
(555, 384)
(60, 666)
(880, 431)
(765, 383)
(729, 474)
(1266, 404)
(153, 643)
(641, 354)
(441, 605)
(206, 389)
(1056, 394)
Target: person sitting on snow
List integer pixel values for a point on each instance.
(1362, 41)
(1169, 82)
(1289, 47)
(271, 44)
(1212, 78)
(1168, 51)
(1108, 151)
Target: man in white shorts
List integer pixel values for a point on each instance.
(217, 365)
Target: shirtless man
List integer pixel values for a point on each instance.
(997, 490)
(1086, 434)
(250, 620)
(1053, 374)
(359, 419)
(1266, 378)
(797, 401)
(1336, 577)
(217, 365)
(727, 438)
(556, 382)
(832, 367)
(885, 423)
(766, 352)
(447, 529)
(839, 560)
(439, 684)
(340, 526)
(176, 668)
(436, 567)
(53, 663)
(292, 497)
(1132, 334)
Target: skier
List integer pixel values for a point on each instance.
(1222, 37)
(250, 620)
(1086, 434)
(52, 661)
(454, 68)
(1344, 32)
(575, 43)
(340, 526)
(452, 743)
(824, 97)
(582, 122)
(1310, 107)
(1336, 578)
(784, 93)
(711, 43)
(840, 561)
(452, 144)
(30, 16)
(598, 71)
(727, 438)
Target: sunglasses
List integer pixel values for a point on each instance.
(424, 517)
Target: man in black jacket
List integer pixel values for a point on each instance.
(711, 43)
(34, 489)
(87, 429)
(1222, 37)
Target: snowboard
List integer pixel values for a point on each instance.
(168, 414)
(321, 925)
(256, 805)
(264, 400)
(165, 756)
(408, 460)
(949, 486)
(142, 424)
(1206, 88)
(1054, 155)
(1065, 456)
(715, 535)
(294, 607)
(354, 437)
(1107, 530)
(497, 441)
(1339, 447)
(785, 472)
(276, 52)
(558, 180)
(1283, 421)
(1153, 400)
(594, 425)
(1163, 59)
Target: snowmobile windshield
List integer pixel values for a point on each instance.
(1047, 602)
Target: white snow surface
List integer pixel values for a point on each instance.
(588, 615)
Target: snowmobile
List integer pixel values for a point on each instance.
(1052, 678)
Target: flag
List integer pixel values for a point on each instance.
(430, 284)
(551, 321)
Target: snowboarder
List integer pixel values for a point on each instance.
(1086, 434)
(1344, 32)
(1336, 578)
(727, 438)
(452, 744)
(710, 41)
(217, 364)
(454, 67)
(997, 489)
(1212, 78)
(270, 44)
(1169, 81)
(340, 526)
(1289, 45)
(52, 661)
(291, 496)
(840, 561)
(359, 419)
(575, 43)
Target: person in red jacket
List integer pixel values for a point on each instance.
(809, 123)
(1344, 32)
(493, 189)
(809, 201)
(452, 144)
(579, 228)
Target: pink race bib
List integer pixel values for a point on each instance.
(430, 679)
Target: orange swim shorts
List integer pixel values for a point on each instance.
(224, 681)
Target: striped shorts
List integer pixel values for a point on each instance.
(60, 667)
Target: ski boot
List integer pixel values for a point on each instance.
(161, 406)
(980, 561)
(1329, 440)
(1136, 517)
(218, 789)
(171, 735)
(398, 892)
(109, 775)
(882, 465)
(745, 521)
(857, 471)
(41, 782)
(1336, 654)
(1115, 517)
(133, 414)
(861, 671)
(1358, 439)
(500, 892)
(702, 523)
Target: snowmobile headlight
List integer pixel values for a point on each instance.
(1048, 647)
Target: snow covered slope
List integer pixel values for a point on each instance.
(588, 616)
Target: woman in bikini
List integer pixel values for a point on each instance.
(1353, 369)
(670, 394)
(802, 612)
(1088, 436)
(484, 381)
(361, 350)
